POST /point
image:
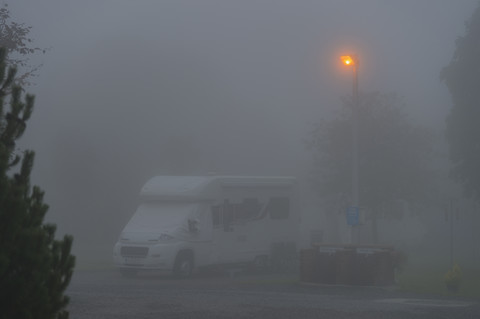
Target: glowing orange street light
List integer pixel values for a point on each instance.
(347, 60)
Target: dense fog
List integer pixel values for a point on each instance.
(133, 89)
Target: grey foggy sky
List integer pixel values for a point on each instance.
(402, 44)
(241, 80)
(278, 59)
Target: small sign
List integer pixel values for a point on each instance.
(352, 215)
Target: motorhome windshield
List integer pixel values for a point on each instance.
(152, 216)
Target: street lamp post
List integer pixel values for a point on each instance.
(352, 60)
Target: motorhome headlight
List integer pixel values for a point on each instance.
(164, 237)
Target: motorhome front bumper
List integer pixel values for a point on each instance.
(159, 256)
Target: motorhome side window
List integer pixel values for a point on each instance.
(248, 209)
(278, 207)
(229, 213)
(223, 215)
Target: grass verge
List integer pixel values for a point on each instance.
(431, 281)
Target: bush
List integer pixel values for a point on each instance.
(453, 278)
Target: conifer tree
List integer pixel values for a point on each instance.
(35, 268)
(462, 77)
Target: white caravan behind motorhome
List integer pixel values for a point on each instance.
(189, 222)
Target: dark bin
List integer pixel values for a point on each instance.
(384, 269)
(344, 264)
(308, 265)
(364, 270)
(326, 268)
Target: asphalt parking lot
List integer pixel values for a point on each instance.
(106, 294)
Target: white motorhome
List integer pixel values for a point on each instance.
(189, 222)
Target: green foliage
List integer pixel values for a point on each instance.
(394, 155)
(15, 38)
(462, 77)
(453, 278)
(430, 279)
(35, 268)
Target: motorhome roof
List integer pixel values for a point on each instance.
(204, 187)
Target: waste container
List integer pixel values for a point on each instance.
(384, 269)
(364, 269)
(308, 265)
(326, 267)
(344, 266)
(365, 265)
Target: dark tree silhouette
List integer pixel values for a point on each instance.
(35, 268)
(394, 155)
(15, 38)
(462, 77)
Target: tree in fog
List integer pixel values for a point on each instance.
(462, 77)
(35, 268)
(394, 154)
(15, 38)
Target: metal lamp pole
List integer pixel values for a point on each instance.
(353, 61)
(355, 199)
(355, 196)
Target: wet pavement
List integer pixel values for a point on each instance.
(106, 294)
